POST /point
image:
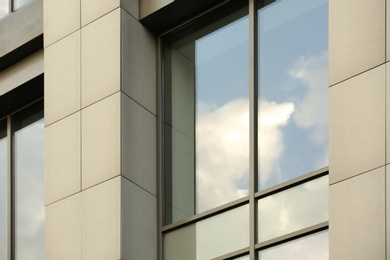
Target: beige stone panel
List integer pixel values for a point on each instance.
(139, 222)
(138, 62)
(148, 7)
(357, 217)
(387, 113)
(101, 141)
(357, 125)
(387, 207)
(357, 37)
(101, 58)
(101, 221)
(62, 78)
(139, 144)
(63, 229)
(60, 19)
(92, 9)
(387, 30)
(62, 158)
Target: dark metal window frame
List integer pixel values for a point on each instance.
(36, 104)
(254, 194)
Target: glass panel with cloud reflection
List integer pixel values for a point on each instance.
(29, 201)
(3, 191)
(311, 247)
(293, 209)
(20, 3)
(4, 8)
(293, 89)
(209, 238)
(207, 117)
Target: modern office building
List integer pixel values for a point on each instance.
(194, 129)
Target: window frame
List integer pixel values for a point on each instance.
(11, 180)
(254, 194)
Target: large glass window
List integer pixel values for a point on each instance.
(21, 179)
(207, 117)
(293, 89)
(245, 128)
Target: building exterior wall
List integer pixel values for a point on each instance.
(100, 131)
(100, 78)
(358, 72)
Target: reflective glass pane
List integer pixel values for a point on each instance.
(243, 258)
(3, 191)
(206, 116)
(293, 209)
(311, 247)
(29, 200)
(20, 3)
(209, 238)
(293, 89)
(4, 8)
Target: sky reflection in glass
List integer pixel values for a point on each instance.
(311, 247)
(222, 115)
(207, 118)
(4, 8)
(20, 3)
(293, 89)
(293, 209)
(29, 200)
(209, 238)
(3, 191)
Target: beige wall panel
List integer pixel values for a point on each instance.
(387, 113)
(139, 222)
(62, 78)
(357, 125)
(92, 9)
(21, 72)
(101, 221)
(100, 58)
(138, 62)
(139, 145)
(63, 229)
(62, 158)
(150, 6)
(357, 217)
(387, 30)
(60, 19)
(356, 37)
(101, 141)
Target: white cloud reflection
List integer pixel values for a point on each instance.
(223, 148)
(312, 109)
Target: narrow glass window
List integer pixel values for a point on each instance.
(293, 89)
(311, 247)
(297, 208)
(211, 237)
(206, 116)
(29, 201)
(20, 3)
(4, 8)
(4, 198)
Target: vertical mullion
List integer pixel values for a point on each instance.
(253, 126)
(10, 6)
(10, 191)
(160, 147)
